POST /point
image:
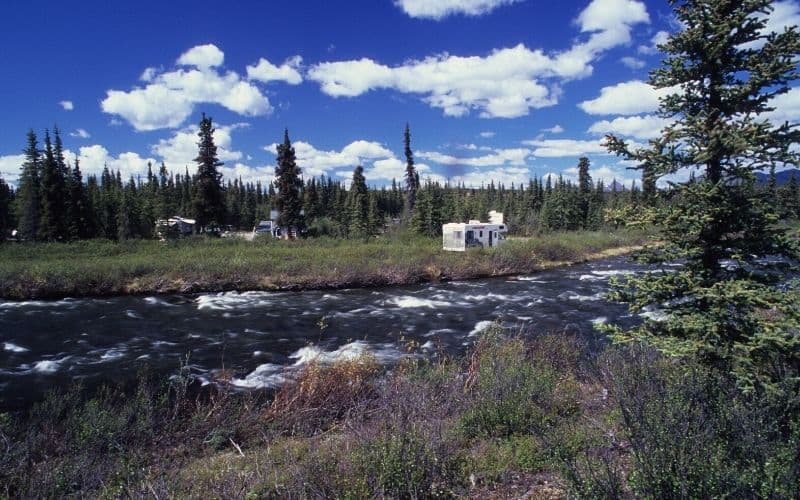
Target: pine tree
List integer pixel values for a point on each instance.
(52, 226)
(5, 209)
(78, 206)
(585, 189)
(358, 205)
(28, 199)
(722, 307)
(412, 178)
(207, 199)
(289, 185)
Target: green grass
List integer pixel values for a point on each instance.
(101, 267)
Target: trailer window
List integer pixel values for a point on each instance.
(480, 234)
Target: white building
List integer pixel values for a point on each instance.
(458, 236)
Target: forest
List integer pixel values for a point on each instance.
(54, 202)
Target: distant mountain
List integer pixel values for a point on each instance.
(781, 177)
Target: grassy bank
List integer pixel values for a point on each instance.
(100, 267)
(542, 417)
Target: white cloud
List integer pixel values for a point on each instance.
(787, 107)
(556, 148)
(439, 9)
(315, 162)
(659, 38)
(202, 56)
(180, 150)
(612, 15)
(626, 98)
(67, 105)
(10, 167)
(507, 83)
(640, 127)
(512, 156)
(170, 97)
(267, 72)
(80, 133)
(784, 15)
(487, 134)
(632, 62)
(499, 175)
(93, 158)
(555, 129)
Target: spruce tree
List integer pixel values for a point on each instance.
(289, 185)
(77, 210)
(412, 179)
(723, 307)
(358, 205)
(52, 227)
(585, 190)
(5, 209)
(207, 200)
(28, 200)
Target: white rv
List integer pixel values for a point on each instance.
(458, 236)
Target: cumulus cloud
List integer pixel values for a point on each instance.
(626, 98)
(787, 107)
(67, 105)
(202, 56)
(169, 97)
(80, 133)
(10, 167)
(267, 72)
(315, 162)
(506, 83)
(784, 15)
(180, 150)
(95, 157)
(639, 127)
(439, 9)
(511, 156)
(556, 148)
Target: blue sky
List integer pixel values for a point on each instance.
(493, 89)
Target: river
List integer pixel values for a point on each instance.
(262, 338)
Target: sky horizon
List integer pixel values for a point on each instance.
(493, 90)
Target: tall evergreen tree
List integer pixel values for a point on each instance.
(5, 210)
(78, 217)
(412, 179)
(585, 190)
(52, 227)
(207, 200)
(358, 205)
(722, 306)
(289, 184)
(29, 202)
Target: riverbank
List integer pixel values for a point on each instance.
(523, 416)
(104, 268)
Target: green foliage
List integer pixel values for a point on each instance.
(29, 191)
(207, 195)
(724, 306)
(289, 185)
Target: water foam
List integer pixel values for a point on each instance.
(8, 346)
(264, 376)
(226, 301)
(480, 326)
(407, 301)
(49, 365)
(155, 301)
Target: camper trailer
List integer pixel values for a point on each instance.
(459, 236)
(174, 227)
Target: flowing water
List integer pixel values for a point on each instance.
(262, 338)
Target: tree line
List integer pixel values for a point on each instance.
(53, 201)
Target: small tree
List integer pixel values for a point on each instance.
(207, 200)
(358, 205)
(723, 306)
(289, 185)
